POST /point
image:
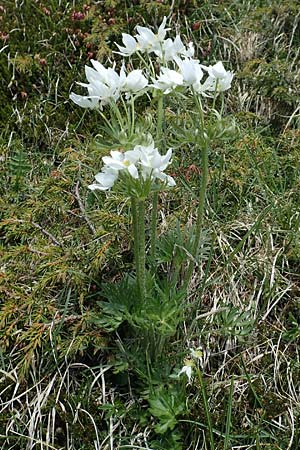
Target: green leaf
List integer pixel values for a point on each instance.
(166, 405)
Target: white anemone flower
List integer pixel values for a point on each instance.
(219, 78)
(191, 71)
(170, 49)
(166, 179)
(153, 164)
(130, 45)
(104, 85)
(225, 83)
(190, 51)
(188, 371)
(123, 161)
(99, 95)
(168, 80)
(85, 101)
(107, 76)
(105, 179)
(143, 162)
(149, 41)
(152, 159)
(217, 70)
(135, 82)
(207, 87)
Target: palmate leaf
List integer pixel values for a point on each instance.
(163, 309)
(115, 137)
(234, 322)
(18, 167)
(111, 317)
(166, 405)
(120, 299)
(176, 245)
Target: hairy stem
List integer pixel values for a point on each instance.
(135, 222)
(200, 214)
(153, 227)
(202, 196)
(141, 250)
(201, 205)
(207, 412)
(153, 231)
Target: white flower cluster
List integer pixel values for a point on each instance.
(106, 85)
(146, 41)
(142, 162)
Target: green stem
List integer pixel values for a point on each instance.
(106, 120)
(132, 114)
(153, 227)
(206, 407)
(153, 232)
(202, 197)
(149, 66)
(200, 214)
(160, 117)
(135, 221)
(215, 97)
(201, 205)
(142, 250)
(126, 110)
(117, 113)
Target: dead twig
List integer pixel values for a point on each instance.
(38, 227)
(82, 209)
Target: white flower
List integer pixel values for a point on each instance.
(149, 41)
(107, 76)
(151, 158)
(225, 83)
(188, 371)
(135, 82)
(166, 179)
(123, 161)
(142, 162)
(190, 51)
(105, 179)
(104, 85)
(217, 70)
(191, 71)
(219, 78)
(209, 85)
(153, 164)
(85, 101)
(131, 45)
(168, 80)
(170, 49)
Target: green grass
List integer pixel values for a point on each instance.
(81, 366)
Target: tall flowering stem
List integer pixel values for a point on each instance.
(202, 193)
(206, 408)
(141, 262)
(153, 229)
(138, 219)
(202, 197)
(135, 223)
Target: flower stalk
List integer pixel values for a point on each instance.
(135, 223)
(141, 261)
(138, 220)
(206, 408)
(202, 195)
(153, 227)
